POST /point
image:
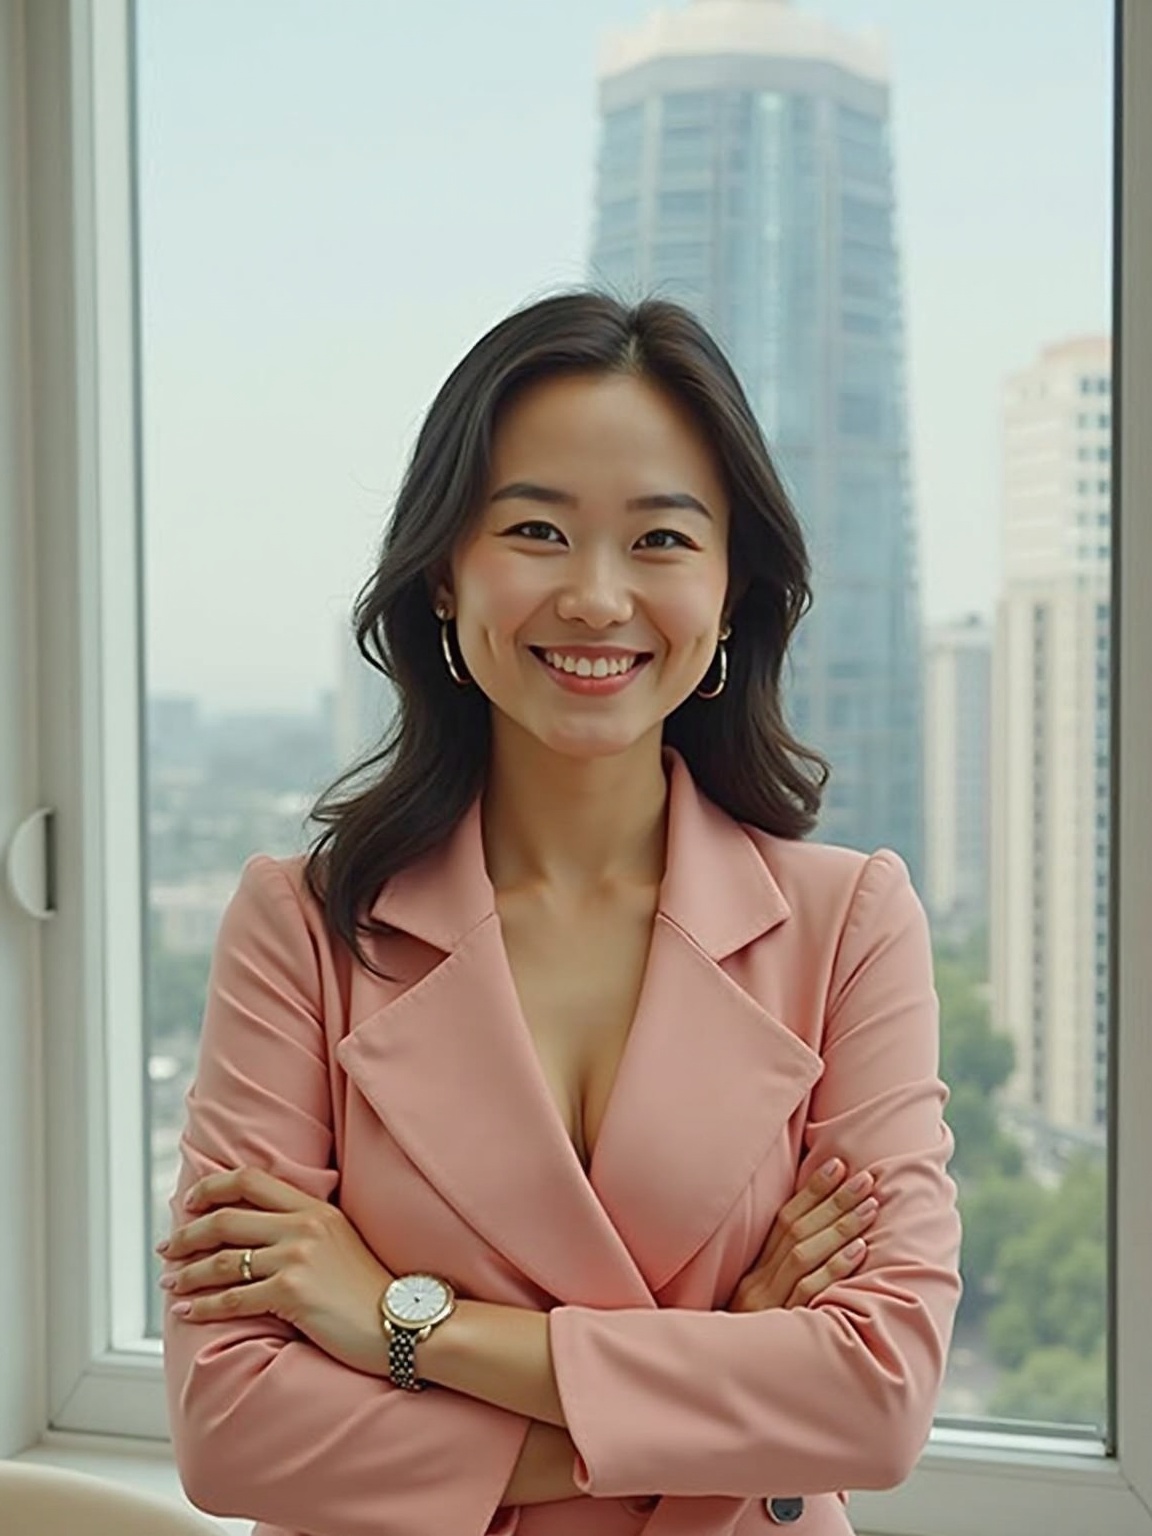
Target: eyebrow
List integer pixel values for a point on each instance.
(525, 490)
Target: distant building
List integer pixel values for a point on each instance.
(1050, 737)
(185, 915)
(957, 711)
(363, 705)
(175, 731)
(745, 170)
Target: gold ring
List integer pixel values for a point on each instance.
(246, 1264)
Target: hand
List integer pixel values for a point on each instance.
(310, 1267)
(808, 1247)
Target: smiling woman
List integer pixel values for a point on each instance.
(668, 536)
(527, 1084)
(623, 568)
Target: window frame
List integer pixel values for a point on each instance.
(86, 496)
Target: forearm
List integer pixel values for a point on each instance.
(543, 1474)
(498, 1354)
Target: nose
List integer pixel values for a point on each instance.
(596, 590)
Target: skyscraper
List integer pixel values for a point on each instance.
(1050, 737)
(957, 708)
(745, 170)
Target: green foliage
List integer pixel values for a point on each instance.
(993, 1210)
(1053, 1274)
(975, 1061)
(982, 1148)
(1034, 1260)
(971, 1051)
(1056, 1385)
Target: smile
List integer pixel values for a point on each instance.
(582, 674)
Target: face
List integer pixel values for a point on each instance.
(603, 537)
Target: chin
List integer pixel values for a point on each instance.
(586, 745)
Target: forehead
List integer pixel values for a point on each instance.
(605, 427)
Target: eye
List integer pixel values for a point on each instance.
(682, 541)
(530, 530)
(520, 527)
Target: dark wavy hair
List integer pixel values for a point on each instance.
(406, 795)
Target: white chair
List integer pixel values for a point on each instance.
(39, 1500)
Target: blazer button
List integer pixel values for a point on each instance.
(784, 1511)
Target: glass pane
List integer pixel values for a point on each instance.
(901, 234)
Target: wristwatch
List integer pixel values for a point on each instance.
(409, 1310)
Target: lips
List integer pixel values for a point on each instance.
(590, 652)
(587, 682)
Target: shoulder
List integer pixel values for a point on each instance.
(827, 879)
(272, 896)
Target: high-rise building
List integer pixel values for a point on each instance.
(745, 170)
(957, 710)
(1050, 737)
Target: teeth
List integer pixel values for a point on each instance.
(585, 668)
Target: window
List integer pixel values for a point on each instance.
(267, 397)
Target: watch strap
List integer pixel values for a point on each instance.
(402, 1344)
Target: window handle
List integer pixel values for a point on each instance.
(30, 864)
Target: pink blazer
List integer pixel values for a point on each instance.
(787, 1015)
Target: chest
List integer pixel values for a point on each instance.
(578, 977)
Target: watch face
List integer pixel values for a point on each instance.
(416, 1298)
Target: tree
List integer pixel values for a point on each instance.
(975, 1061)
(1052, 1276)
(995, 1209)
(1056, 1385)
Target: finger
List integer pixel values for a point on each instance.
(812, 1193)
(221, 1269)
(237, 1301)
(798, 1221)
(842, 1263)
(792, 1262)
(254, 1185)
(810, 1252)
(224, 1228)
(807, 1257)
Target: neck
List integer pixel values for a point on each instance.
(573, 827)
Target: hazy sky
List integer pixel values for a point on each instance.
(339, 196)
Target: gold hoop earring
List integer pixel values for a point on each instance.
(719, 688)
(442, 615)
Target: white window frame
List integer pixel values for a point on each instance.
(102, 1379)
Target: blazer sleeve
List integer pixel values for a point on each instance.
(841, 1393)
(265, 1425)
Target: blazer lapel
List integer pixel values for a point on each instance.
(708, 1080)
(450, 1067)
(709, 1077)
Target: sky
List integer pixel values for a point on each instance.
(338, 197)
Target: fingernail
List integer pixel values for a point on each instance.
(850, 1252)
(167, 1281)
(859, 1182)
(182, 1308)
(830, 1168)
(163, 1247)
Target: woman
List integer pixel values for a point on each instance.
(505, 1146)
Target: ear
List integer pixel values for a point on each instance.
(440, 588)
(735, 595)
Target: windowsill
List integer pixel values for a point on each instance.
(143, 1464)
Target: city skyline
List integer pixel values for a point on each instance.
(745, 162)
(284, 379)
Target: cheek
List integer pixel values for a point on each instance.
(688, 614)
(498, 595)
